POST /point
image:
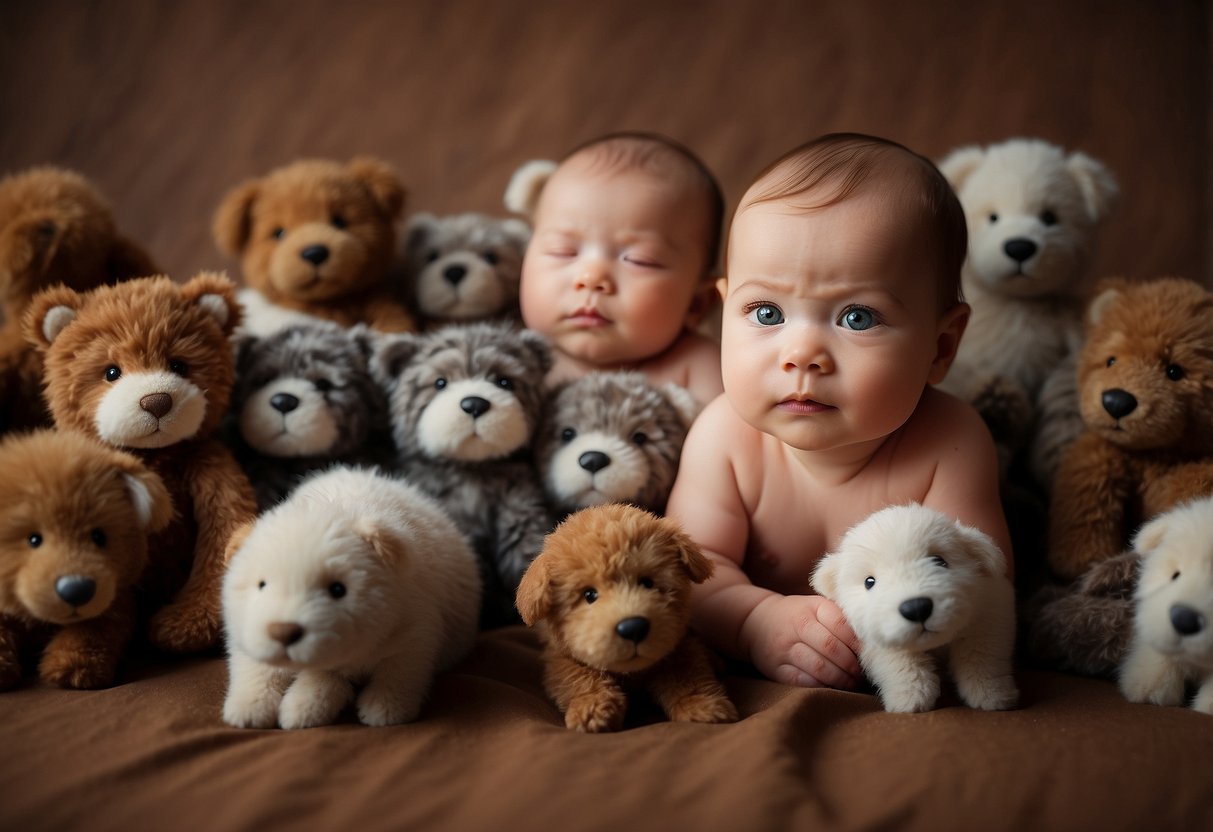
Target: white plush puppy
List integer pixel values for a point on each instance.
(915, 585)
(1173, 621)
(356, 579)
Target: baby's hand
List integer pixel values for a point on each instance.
(802, 640)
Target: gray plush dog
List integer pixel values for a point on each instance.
(305, 399)
(464, 267)
(465, 401)
(612, 438)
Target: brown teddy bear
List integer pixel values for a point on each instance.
(146, 366)
(612, 588)
(316, 238)
(76, 516)
(1145, 383)
(54, 228)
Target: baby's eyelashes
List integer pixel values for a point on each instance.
(859, 318)
(763, 313)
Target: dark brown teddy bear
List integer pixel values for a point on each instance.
(147, 366)
(54, 228)
(1145, 383)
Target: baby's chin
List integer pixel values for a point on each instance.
(579, 355)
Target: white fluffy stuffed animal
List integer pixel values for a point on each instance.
(1173, 621)
(356, 579)
(914, 583)
(1033, 211)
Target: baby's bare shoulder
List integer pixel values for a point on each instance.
(943, 422)
(693, 362)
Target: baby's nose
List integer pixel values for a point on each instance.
(594, 275)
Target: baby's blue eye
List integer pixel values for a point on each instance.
(766, 314)
(858, 319)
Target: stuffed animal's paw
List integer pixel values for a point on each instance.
(183, 627)
(914, 697)
(1138, 684)
(703, 707)
(74, 669)
(259, 710)
(596, 714)
(997, 693)
(313, 700)
(381, 706)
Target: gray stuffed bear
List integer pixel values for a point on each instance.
(464, 267)
(612, 438)
(305, 399)
(465, 401)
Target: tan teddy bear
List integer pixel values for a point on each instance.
(54, 228)
(316, 239)
(147, 366)
(76, 516)
(1145, 383)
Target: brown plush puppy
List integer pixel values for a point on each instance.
(1145, 384)
(54, 228)
(317, 237)
(147, 366)
(74, 521)
(612, 589)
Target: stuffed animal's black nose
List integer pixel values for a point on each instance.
(315, 254)
(633, 629)
(285, 633)
(284, 402)
(76, 590)
(475, 406)
(157, 404)
(1118, 402)
(454, 274)
(916, 609)
(593, 461)
(1186, 620)
(1019, 249)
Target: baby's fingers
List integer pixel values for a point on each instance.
(821, 669)
(830, 616)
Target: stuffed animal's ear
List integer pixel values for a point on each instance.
(216, 295)
(418, 230)
(539, 347)
(982, 549)
(233, 221)
(149, 496)
(364, 340)
(1150, 536)
(525, 186)
(686, 405)
(392, 354)
(1098, 185)
(49, 313)
(959, 165)
(243, 349)
(381, 180)
(1107, 292)
(237, 538)
(825, 575)
(387, 544)
(127, 259)
(30, 242)
(532, 596)
(693, 559)
(518, 231)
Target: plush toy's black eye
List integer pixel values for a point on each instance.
(590, 595)
(993, 218)
(490, 257)
(98, 537)
(1111, 360)
(35, 540)
(869, 582)
(646, 582)
(938, 561)
(176, 365)
(339, 221)
(112, 373)
(640, 437)
(46, 229)
(278, 233)
(439, 384)
(432, 255)
(261, 585)
(323, 385)
(337, 589)
(1175, 372)
(568, 435)
(1048, 217)
(505, 383)
(1175, 577)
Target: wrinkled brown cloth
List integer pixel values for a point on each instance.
(490, 752)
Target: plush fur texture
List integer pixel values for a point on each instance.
(915, 586)
(1033, 213)
(146, 366)
(465, 401)
(464, 267)
(357, 579)
(1173, 621)
(526, 184)
(1145, 383)
(317, 237)
(75, 516)
(612, 592)
(305, 399)
(612, 438)
(55, 227)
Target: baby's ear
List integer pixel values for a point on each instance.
(49, 313)
(381, 181)
(216, 295)
(959, 165)
(951, 328)
(825, 575)
(237, 538)
(525, 186)
(233, 220)
(982, 548)
(532, 596)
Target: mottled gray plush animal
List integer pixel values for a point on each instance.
(464, 267)
(612, 438)
(465, 401)
(305, 399)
